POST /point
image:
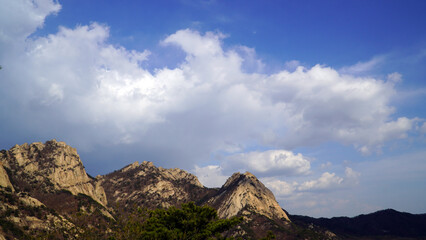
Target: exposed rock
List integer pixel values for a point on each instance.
(4, 178)
(244, 194)
(53, 163)
(52, 189)
(30, 201)
(19, 211)
(146, 185)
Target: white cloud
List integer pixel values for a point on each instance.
(326, 181)
(394, 77)
(210, 176)
(280, 188)
(208, 102)
(352, 176)
(195, 44)
(315, 197)
(19, 19)
(251, 63)
(272, 162)
(362, 67)
(292, 65)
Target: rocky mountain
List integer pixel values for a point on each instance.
(244, 194)
(45, 191)
(54, 165)
(43, 187)
(152, 187)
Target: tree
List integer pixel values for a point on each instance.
(187, 222)
(269, 236)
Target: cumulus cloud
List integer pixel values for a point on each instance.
(352, 175)
(272, 162)
(99, 93)
(19, 19)
(210, 176)
(280, 188)
(326, 181)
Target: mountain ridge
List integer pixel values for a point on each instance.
(50, 178)
(383, 223)
(44, 189)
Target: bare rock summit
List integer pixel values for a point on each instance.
(150, 186)
(51, 166)
(244, 194)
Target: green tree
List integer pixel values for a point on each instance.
(187, 222)
(269, 236)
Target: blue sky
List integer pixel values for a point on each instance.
(322, 100)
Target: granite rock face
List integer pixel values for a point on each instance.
(4, 178)
(53, 165)
(150, 186)
(244, 194)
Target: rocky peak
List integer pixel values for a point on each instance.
(53, 165)
(130, 167)
(244, 194)
(151, 186)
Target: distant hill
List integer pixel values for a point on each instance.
(384, 224)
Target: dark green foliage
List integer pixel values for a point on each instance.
(11, 229)
(269, 236)
(188, 222)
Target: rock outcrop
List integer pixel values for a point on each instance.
(4, 178)
(53, 165)
(150, 186)
(244, 194)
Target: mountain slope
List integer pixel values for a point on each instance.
(151, 187)
(45, 191)
(54, 165)
(385, 223)
(244, 194)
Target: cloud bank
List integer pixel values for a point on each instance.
(216, 112)
(76, 85)
(270, 163)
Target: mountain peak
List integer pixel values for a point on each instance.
(244, 194)
(54, 164)
(146, 184)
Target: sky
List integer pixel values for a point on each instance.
(322, 100)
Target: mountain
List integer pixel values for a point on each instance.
(55, 164)
(146, 185)
(244, 194)
(45, 193)
(43, 187)
(384, 224)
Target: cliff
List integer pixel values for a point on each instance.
(244, 194)
(54, 165)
